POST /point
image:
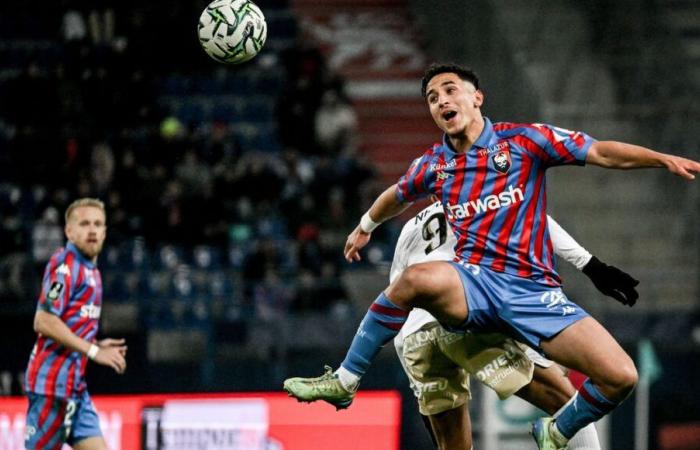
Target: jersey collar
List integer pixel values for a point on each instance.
(71, 247)
(486, 139)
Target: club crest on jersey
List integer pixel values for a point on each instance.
(55, 290)
(501, 161)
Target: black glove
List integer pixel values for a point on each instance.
(612, 282)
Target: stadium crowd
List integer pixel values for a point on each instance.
(83, 115)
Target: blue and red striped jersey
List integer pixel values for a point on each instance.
(71, 290)
(494, 194)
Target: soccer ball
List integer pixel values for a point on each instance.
(232, 31)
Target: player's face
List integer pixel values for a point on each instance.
(86, 228)
(454, 103)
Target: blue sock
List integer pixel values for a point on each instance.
(588, 406)
(381, 323)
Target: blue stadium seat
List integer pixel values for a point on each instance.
(238, 84)
(176, 84)
(191, 111)
(258, 109)
(224, 111)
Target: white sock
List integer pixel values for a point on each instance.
(349, 380)
(585, 439)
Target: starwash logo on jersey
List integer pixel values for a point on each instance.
(90, 311)
(510, 196)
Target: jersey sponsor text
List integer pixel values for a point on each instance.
(491, 202)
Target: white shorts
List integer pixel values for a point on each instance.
(438, 363)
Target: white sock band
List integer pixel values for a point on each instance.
(349, 380)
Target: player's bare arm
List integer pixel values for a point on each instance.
(111, 352)
(619, 155)
(386, 206)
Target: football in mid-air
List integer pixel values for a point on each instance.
(232, 31)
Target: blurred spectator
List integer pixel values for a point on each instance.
(47, 235)
(336, 125)
(101, 21)
(272, 297)
(102, 168)
(93, 114)
(194, 175)
(73, 26)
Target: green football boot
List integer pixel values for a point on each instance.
(540, 431)
(327, 387)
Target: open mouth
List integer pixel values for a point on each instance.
(448, 115)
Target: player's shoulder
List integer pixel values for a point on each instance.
(433, 151)
(507, 129)
(61, 261)
(536, 132)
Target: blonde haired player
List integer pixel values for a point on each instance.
(66, 321)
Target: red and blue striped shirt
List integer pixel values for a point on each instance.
(494, 194)
(71, 290)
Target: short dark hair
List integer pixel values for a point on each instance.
(436, 69)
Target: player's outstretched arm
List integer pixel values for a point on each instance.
(608, 279)
(619, 155)
(112, 354)
(386, 206)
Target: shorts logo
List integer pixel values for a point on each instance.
(501, 161)
(433, 386)
(55, 291)
(568, 310)
(557, 298)
(502, 368)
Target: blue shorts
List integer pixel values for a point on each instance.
(519, 307)
(53, 421)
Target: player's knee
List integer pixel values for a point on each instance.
(623, 380)
(628, 378)
(416, 279)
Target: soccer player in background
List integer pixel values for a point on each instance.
(67, 318)
(438, 363)
(490, 179)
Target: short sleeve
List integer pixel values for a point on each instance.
(56, 287)
(563, 146)
(414, 183)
